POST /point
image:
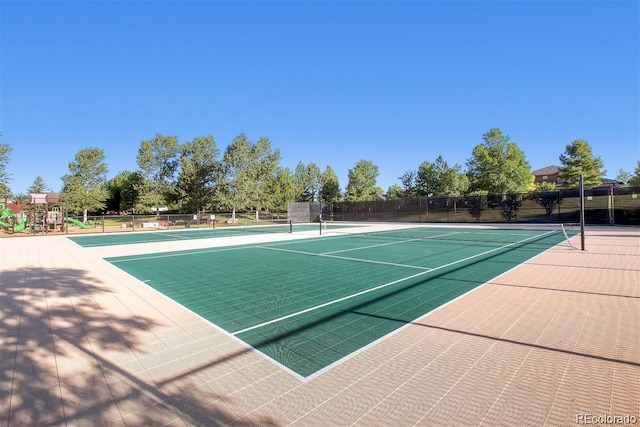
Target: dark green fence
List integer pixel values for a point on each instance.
(602, 206)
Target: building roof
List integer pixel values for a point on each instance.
(14, 208)
(41, 198)
(549, 170)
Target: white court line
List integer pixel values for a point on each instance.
(162, 233)
(189, 252)
(176, 253)
(307, 310)
(326, 255)
(170, 235)
(390, 243)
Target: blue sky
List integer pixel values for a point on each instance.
(395, 83)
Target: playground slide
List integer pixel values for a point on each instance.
(20, 227)
(78, 223)
(6, 213)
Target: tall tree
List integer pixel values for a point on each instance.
(235, 188)
(449, 181)
(5, 177)
(577, 160)
(124, 191)
(199, 173)
(425, 179)
(498, 166)
(362, 182)
(283, 189)
(158, 162)
(84, 187)
(248, 172)
(38, 186)
(308, 182)
(330, 191)
(395, 192)
(635, 178)
(263, 165)
(408, 180)
(623, 176)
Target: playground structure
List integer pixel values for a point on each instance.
(45, 212)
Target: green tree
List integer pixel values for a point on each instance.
(623, 176)
(5, 177)
(158, 162)
(545, 186)
(248, 172)
(362, 182)
(408, 180)
(263, 165)
(578, 160)
(546, 195)
(123, 189)
(395, 192)
(498, 166)
(283, 189)
(425, 179)
(199, 173)
(308, 182)
(235, 186)
(635, 178)
(449, 181)
(38, 186)
(330, 191)
(84, 187)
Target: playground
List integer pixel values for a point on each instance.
(44, 212)
(48, 214)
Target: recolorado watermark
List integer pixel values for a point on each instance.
(605, 419)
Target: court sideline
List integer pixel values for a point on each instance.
(544, 344)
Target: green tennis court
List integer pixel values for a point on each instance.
(128, 238)
(307, 304)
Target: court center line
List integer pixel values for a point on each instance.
(327, 255)
(366, 291)
(390, 243)
(170, 235)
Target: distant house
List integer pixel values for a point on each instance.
(614, 183)
(15, 207)
(549, 174)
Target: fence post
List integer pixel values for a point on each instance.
(447, 205)
(582, 212)
(426, 206)
(612, 209)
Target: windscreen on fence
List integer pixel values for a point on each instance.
(602, 206)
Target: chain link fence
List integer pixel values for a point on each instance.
(54, 222)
